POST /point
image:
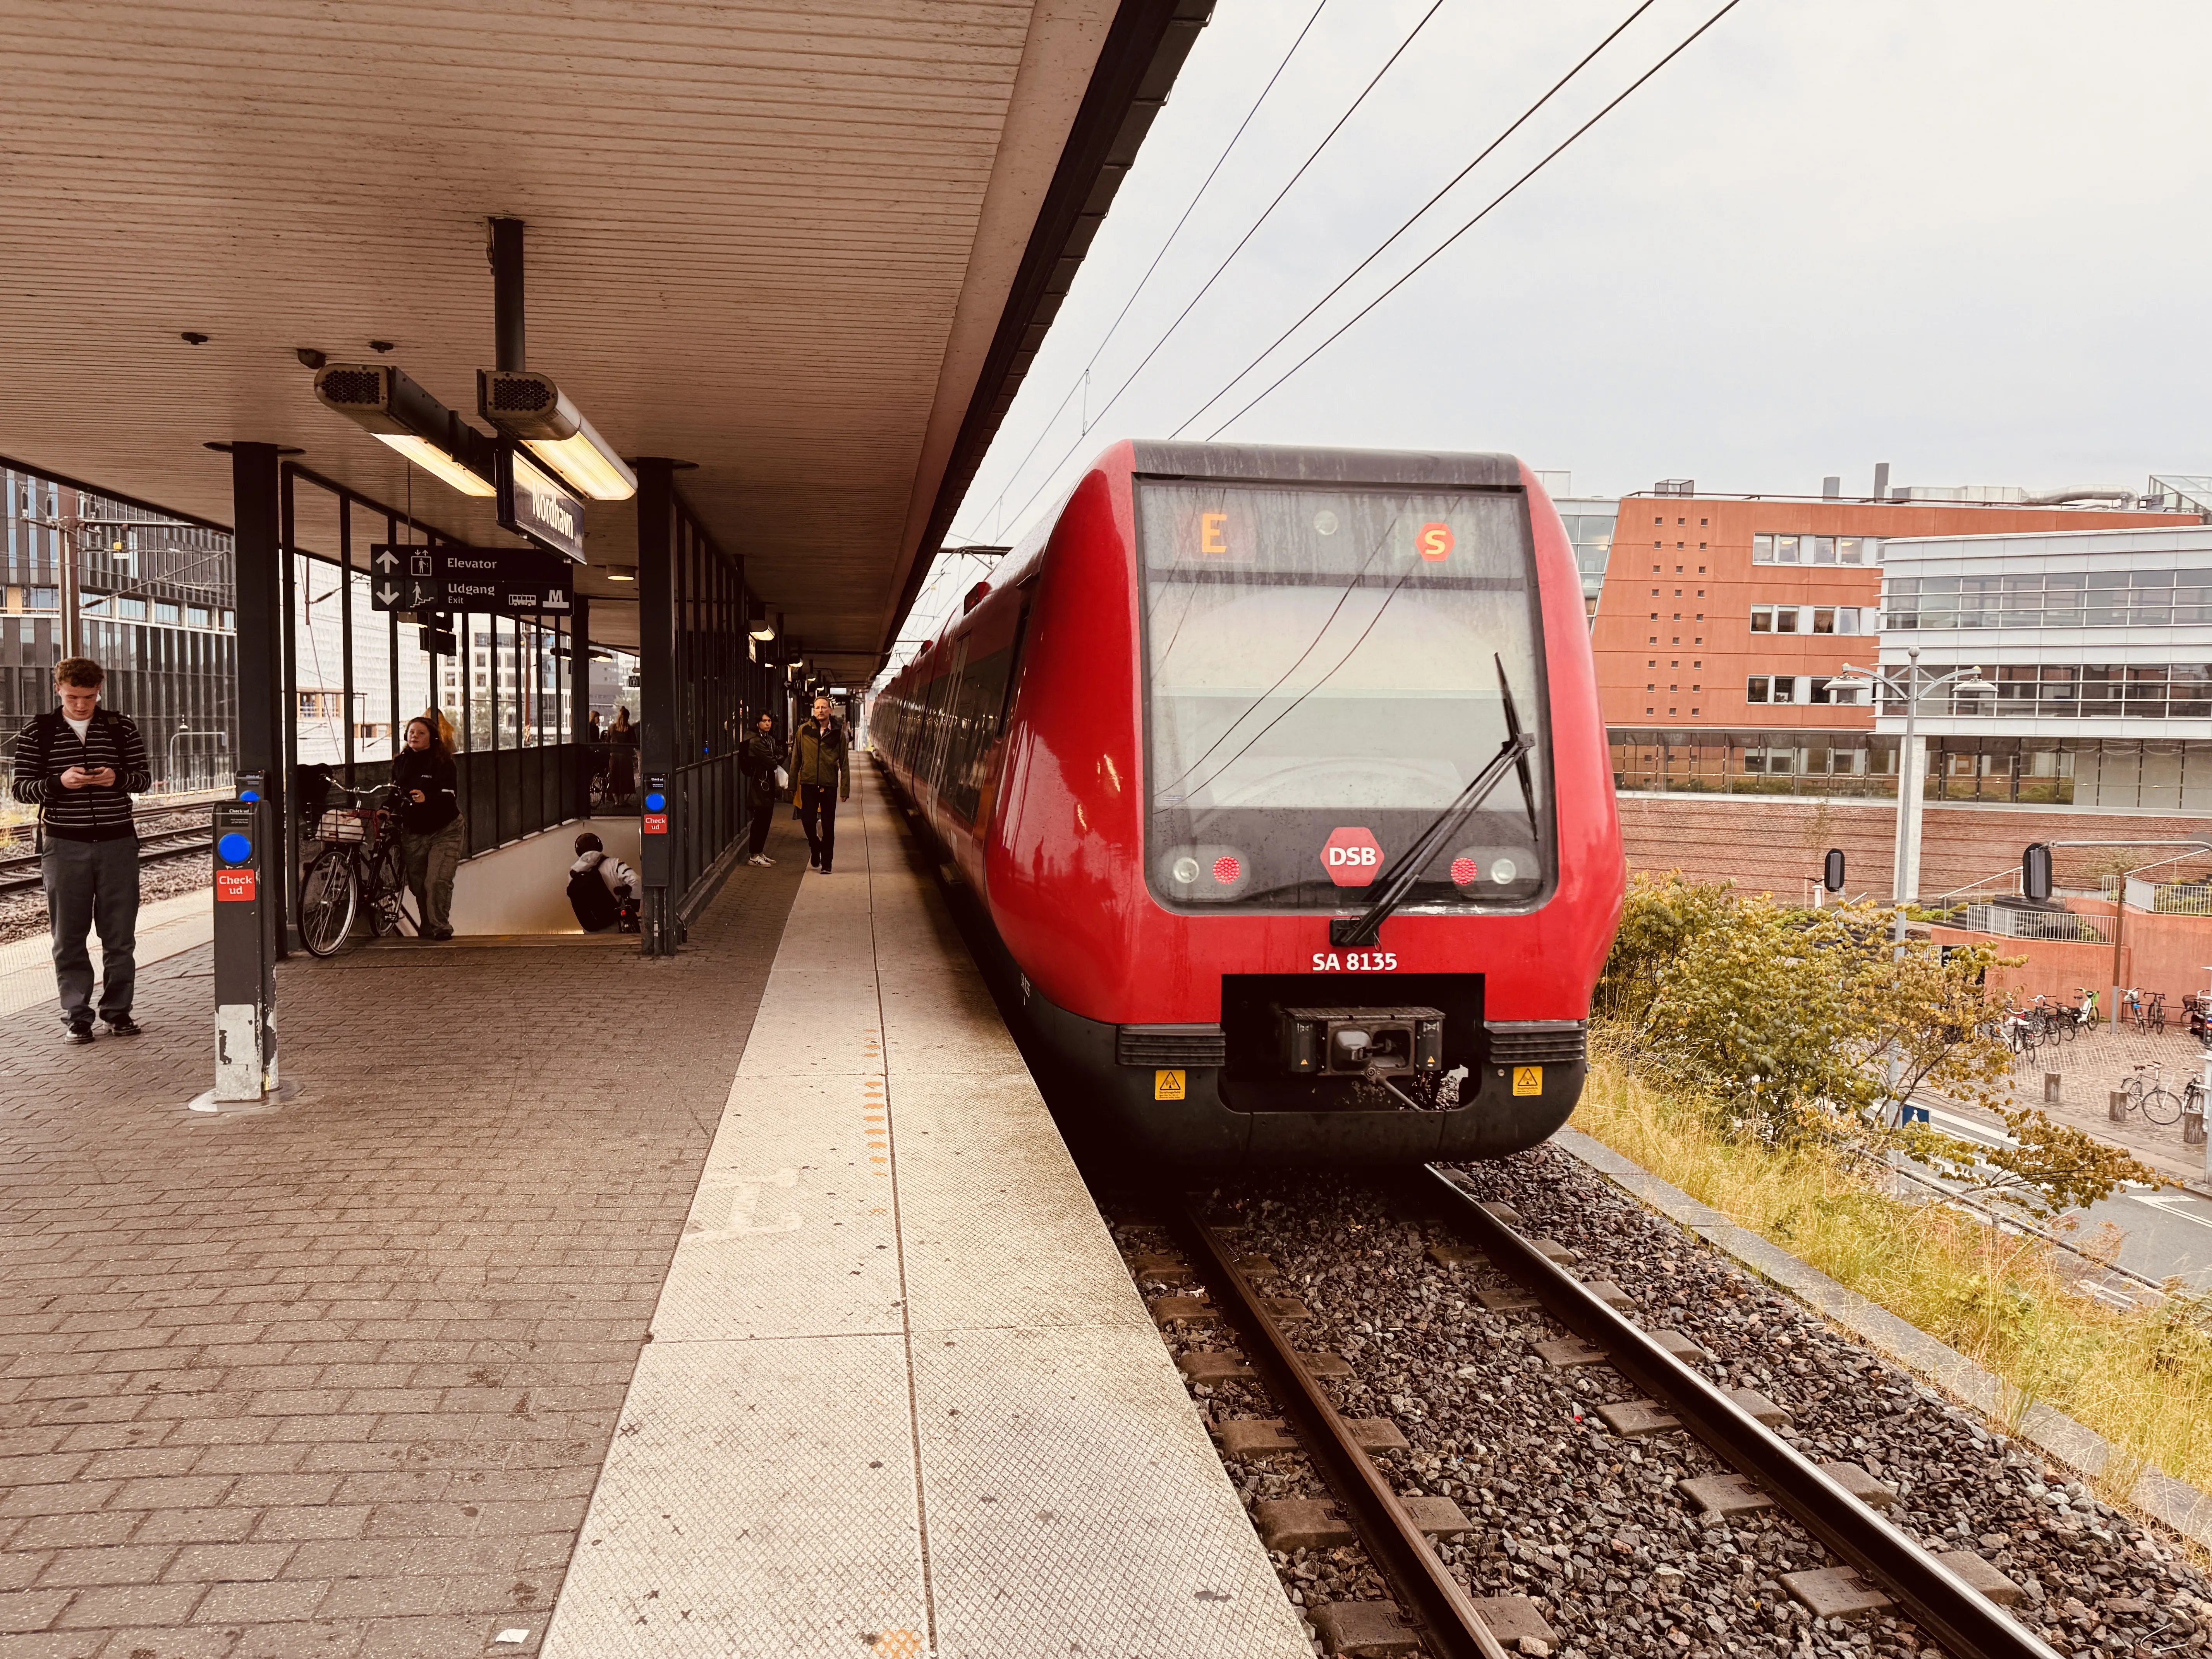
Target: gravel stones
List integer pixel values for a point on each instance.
(1606, 1536)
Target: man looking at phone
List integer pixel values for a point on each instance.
(79, 764)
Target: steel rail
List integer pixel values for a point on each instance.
(1451, 1627)
(149, 852)
(1963, 1620)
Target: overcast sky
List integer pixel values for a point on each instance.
(1968, 238)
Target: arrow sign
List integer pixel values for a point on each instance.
(512, 581)
(384, 560)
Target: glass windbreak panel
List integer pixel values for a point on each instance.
(1324, 684)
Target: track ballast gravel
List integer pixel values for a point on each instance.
(1592, 1526)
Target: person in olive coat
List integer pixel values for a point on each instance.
(758, 757)
(820, 778)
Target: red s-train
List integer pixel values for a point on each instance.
(1280, 777)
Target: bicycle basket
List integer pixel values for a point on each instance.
(343, 824)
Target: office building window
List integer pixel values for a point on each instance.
(1815, 550)
(2097, 599)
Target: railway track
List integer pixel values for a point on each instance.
(1429, 1609)
(168, 833)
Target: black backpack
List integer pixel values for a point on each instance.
(589, 897)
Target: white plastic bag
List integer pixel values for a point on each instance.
(782, 779)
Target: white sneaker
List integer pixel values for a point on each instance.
(757, 857)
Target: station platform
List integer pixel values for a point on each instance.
(740, 1303)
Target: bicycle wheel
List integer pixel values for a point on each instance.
(2160, 1105)
(387, 896)
(328, 898)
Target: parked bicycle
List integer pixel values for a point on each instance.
(2145, 1012)
(2148, 1094)
(2023, 1031)
(360, 869)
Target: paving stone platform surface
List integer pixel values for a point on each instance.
(338, 1380)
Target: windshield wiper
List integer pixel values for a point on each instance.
(1356, 932)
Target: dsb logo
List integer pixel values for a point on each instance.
(1351, 857)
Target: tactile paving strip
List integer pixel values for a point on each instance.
(819, 1346)
(1075, 1506)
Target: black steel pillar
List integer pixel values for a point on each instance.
(580, 704)
(656, 700)
(250, 874)
(259, 555)
(504, 250)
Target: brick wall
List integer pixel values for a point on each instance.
(1775, 843)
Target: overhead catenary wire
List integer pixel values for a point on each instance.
(1083, 379)
(1426, 259)
(1206, 287)
(1421, 212)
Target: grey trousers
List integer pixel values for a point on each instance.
(89, 884)
(431, 861)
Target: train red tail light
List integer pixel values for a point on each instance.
(1226, 870)
(1466, 871)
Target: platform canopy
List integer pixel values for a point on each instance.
(808, 250)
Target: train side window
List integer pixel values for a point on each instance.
(977, 712)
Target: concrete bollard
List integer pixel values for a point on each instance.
(2052, 1081)
(2116, 1104)
(2192, 1129)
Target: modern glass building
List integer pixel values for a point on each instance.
(147, 596)
(2099, 645)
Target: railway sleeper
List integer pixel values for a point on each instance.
(1297, 1529)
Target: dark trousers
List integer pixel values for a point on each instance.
(818, 815)
(763, 808)
(89, 884)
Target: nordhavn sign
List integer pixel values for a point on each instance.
(532, 502)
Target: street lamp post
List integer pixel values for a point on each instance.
(1905, 884)
(71, 530)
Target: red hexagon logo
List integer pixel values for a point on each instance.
(1352, 858)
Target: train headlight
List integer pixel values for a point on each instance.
(1493, 872)
(1203, 873)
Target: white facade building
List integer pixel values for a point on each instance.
(2099, 645)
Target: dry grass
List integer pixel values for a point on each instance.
(2142, 1379)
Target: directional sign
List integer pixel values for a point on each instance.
(516, 582)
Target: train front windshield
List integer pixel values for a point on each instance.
(1324, 684)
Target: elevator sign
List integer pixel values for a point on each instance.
(1353, 858)
(512, 581)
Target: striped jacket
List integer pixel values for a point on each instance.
(49, 747)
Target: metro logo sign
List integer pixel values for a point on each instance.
(1352, 857)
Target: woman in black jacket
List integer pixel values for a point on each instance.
(431, 830)
(758, 760)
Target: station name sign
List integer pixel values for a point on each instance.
(514, 581)
(534, 503)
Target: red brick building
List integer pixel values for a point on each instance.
(1719, 625)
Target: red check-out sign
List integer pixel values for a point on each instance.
(233, 886)
(655, 824)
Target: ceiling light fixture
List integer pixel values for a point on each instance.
(622, 573)
(397, 411)
(529, 407)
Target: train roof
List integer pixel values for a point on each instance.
(1291, 463)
